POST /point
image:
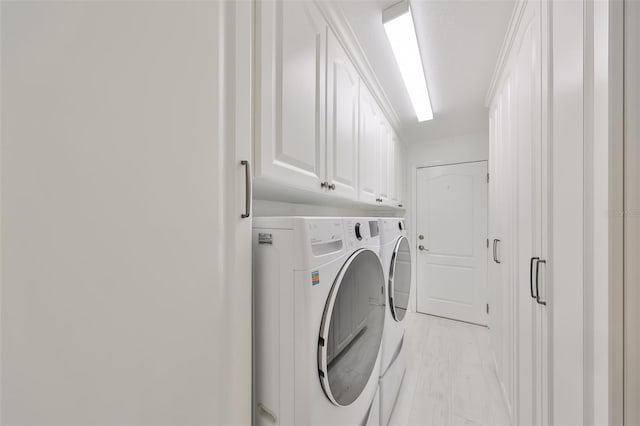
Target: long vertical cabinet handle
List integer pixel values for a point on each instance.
(541, 302)
(495, 255)
(247, 189)
(533, 259)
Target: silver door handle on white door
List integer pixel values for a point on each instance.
(248, 189)
(421, 248)
(495, 250)
(541, 302)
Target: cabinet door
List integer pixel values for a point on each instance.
(393, 170)
(125, 299)
(342, 120)
(399, 172)
(385, 159)
(290, 121)
(369, 144)
(499, 268)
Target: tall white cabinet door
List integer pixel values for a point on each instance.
(501, 311)
(130, 305)
(528, 219)
(343, 84)
(369, 147)
(290, 116)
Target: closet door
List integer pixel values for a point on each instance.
(122, 300)
(342, 120)
(369, 147)
(290, 116)
(528, 134)
(531, 196)
(501, 309)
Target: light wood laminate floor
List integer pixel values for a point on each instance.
(450, 378)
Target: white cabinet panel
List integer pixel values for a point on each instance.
(517, 204)
(318, 128)
(130, 305)
(369, 147)
(342, 120)
(393, 170)
(397, 173)
(386, 160)
(402, 171)
(290, 121)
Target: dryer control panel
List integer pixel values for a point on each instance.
(361, 231)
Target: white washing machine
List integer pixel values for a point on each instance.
(319, 311)
(395, 254)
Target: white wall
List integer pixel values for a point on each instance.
(450, 150)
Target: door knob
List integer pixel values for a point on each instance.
(421, 237)
(421, 248)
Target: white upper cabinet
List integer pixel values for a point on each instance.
(317, 126)
(386, 161)
(290, 94)
(398, 172)
(369, 145)
(342, 120)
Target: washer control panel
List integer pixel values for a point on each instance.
(361, 231)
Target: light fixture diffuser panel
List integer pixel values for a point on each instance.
(400, 30)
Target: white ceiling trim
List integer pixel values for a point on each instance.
(505, 50)
(346, 36)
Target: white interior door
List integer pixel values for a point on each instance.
(451, 238)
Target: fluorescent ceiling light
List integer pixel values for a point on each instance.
(398, 24)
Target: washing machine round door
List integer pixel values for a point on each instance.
(351, 330)
(400, 279)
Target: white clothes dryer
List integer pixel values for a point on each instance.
(318, 318)
(395, 254)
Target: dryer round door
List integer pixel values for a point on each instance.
(400, 279)
(351, 330)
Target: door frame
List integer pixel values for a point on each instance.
(616, 253)
(413, 299)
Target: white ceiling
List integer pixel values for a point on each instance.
(459, 41)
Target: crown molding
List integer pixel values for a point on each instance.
(338, 23)
(505, 50)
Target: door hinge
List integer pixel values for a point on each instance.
(487, 177)
(487, 309)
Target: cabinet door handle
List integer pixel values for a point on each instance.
(541, 302)
(247, 189)
(533, 259)
(495, 254)
(332, 186)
